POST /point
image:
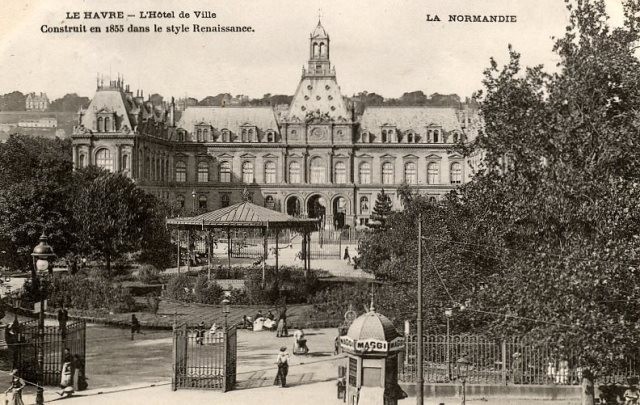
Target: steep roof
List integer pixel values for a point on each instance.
(405, 118)
(244, 215)
(320, 93)
(231, 118)
(319, 31)
(107, 100)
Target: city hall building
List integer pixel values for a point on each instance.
(314, 158)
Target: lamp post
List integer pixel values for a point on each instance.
(419, 346)
(41, 255)
(448, 313)
(225, 311)
(193, 199)
(463, 371)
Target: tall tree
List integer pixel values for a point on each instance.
(14, 101)
(381, 210)
(112, 214)
(69, 103)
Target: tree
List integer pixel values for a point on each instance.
(14, 101)
(112, 214)
(34, 191)
(558, 194)
(69, 103)
(381, 210)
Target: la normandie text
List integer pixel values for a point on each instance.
(474, 18)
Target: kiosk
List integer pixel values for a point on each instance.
(372, 345)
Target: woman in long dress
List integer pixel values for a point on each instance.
(14, 393)
(66, 379)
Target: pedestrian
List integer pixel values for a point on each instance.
(66, 379)
(282, 330)
(270, 316)
(347, 257)
(63, 317)
(13, 394)
(258, 315)
(79, 378)
(200, 333)
(66, 355)
(135, 325)
(631, 395)
(283, 367)
(516, 368)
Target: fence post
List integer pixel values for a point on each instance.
(504, 361)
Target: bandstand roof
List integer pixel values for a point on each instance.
(244, 215)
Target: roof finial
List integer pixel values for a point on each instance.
(372, 308)
(319, 15)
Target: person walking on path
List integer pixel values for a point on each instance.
(282, 330)
(347, 256)
(283, 367)
(13, 394)
(135, 325)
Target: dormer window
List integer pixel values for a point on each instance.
(226, 135)
(105, 121)
(434, 135)
(248, 133)
(202, 132)
(410, 137)
(388, 134)
(271, 136)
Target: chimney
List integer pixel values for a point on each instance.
(172, 113)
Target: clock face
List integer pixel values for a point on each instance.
(318, 134)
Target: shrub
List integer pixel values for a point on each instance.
(81, 292)
(153, 302)
(289, 283)
(148, 274)
(179, 288)
(207, 292)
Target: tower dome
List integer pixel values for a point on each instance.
(372, 333)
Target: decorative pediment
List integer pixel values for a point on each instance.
(105, 110)
(248, 156)
(225, 156)
(202, 124)
(455, 156)
(387, 156)
(434, 157)
(410, 156)
(388, 125)
(340, 155)
(365, 156)
(295, 155)
(270, 156)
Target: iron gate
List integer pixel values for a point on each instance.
(24, 349)
(204, 360)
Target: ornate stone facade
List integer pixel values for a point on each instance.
(315, 158)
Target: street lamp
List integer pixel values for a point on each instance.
(193, 198)
(225, 311)
(448, 313)
(463, 371)
(41, 255)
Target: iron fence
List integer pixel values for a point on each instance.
(204, 360)
(55, 340)
(500, 361)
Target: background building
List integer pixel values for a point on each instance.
(314, 158)
(37, 102)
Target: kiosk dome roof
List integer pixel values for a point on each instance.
(372, 325)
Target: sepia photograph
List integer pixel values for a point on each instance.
(281, 202)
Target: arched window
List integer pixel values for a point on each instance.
(271, 136)
(410, 173)
(247, 172)
(315, 49)
(270, 172)
(244, 135)
(224, 200)
(225, 135)
(251, 135)
(294, 173)
(321, 49)
(317, 171)
(100, 124)
(365, 137)
(270, 203)
(199, 135)
(433, 173)
(340, 173)
(436, 136)
(364, 173)
(364, 205)
(125, 162)
(455, 137)
(384, 136)
(181, 171)
(107, 124)
(147, 168)
(225, 172)
(180, 201)
(410, 138)
(81, 161)
(202, 202)
(203, 172)
(456, 173)
(104, 159)
(387, 173)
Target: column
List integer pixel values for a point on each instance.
(117, 159)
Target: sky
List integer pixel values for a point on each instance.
(382, 46)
